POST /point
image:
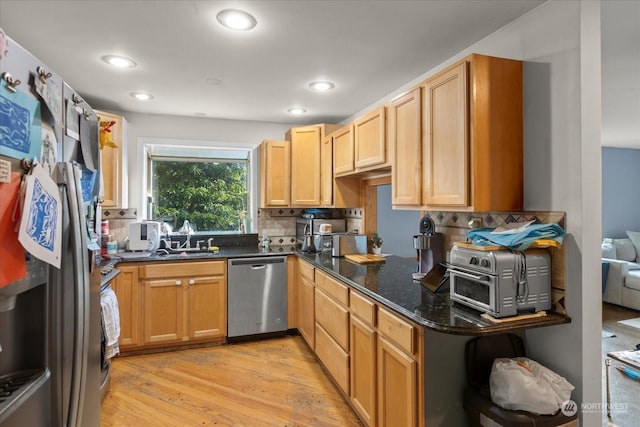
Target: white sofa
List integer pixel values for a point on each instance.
(623, 280)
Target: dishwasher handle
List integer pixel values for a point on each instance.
(258, 266)
(233, 262)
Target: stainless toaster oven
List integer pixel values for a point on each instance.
(501, 283)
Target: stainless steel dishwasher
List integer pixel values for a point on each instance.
(257, 295)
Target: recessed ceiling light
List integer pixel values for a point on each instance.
(235, 19)
(321, 86)
(119, 61)
(141, 96)
(297, 110)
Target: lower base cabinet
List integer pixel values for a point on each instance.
(170, 304)
(373, 355)
(363, 370)
(397, 386)
(125, 286)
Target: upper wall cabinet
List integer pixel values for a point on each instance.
(370, 140)
(113, 160)
(275, 174)
(405, 139)
(326, 172)
(472, 130)
(305, 165)
(306, 143)
(343, 150)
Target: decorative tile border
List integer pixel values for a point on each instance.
(494, 219)
(131, 213)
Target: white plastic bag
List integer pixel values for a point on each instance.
(524, 384)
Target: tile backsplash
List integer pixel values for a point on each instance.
(119, 220)
(454, 225)
(280, 224)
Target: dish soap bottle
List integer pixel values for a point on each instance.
(265, 242)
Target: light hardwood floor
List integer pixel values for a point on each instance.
(275, 382)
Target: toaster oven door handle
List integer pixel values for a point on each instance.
(482, 278)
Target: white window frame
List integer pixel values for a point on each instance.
(252, 148)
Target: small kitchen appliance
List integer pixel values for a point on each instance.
(144, 236)
(307, 241)
(429, 246)
(336, 225)
(501, 283)
(347, 244)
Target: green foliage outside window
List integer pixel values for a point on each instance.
(212, 196)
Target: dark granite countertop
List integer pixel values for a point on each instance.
(390, 283)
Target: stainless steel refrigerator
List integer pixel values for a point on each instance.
(50, 323)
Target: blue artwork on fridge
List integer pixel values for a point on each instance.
(87, 181)
(20, 124)
(42, 217)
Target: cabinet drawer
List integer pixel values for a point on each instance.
(363, 308)
(183, 269)
(334, 358)
(397, 330)
(306, 270)
(333, 318)
(332, 287)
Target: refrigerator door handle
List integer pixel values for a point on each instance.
(80, 264)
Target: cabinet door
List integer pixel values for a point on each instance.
(306, 315)
(127, 290)
(163, 310)
(333, 318)
(363, 370)
(305, 166)
(446, 139)
(343, 150)
(326, 172)
(111, 164)
(334, 358)
(370, 139)
(397, 386)
(406, 139)
(275, 174)
(207, 307)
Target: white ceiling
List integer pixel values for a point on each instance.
(368, 48)
(192, 64)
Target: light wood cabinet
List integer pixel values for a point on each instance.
(343, 150)
(113, 164)
(397, 386)
(292, 291)
(306, 303)
(127, 291)
(400, 371)
(363, 339)
(332, 328)
(406, 139)
(370, 139)
(473, 136)
(326, 172)
(275, 174)
(305, 165)
(184, 302)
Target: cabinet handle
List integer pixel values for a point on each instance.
(178, 282)
(192, 281)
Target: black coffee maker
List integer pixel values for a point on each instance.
(429, 245)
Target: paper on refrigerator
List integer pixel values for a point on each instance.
(41, 222)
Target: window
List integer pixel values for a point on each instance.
(210, 187)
